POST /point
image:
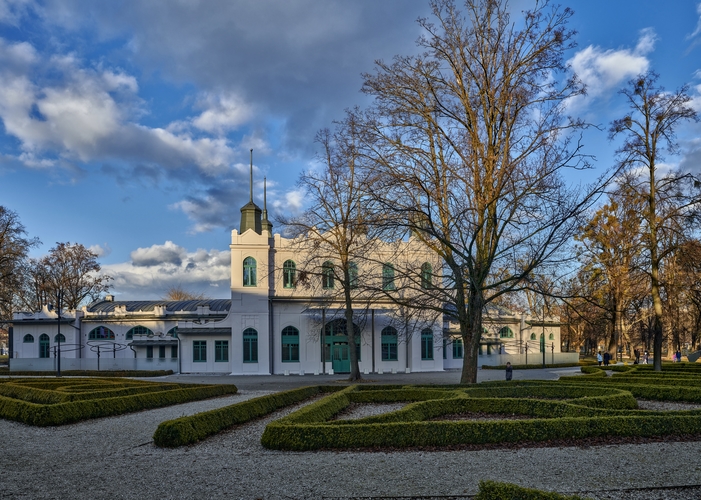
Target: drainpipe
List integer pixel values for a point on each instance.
(323, 329)
(372, 315)
(271, 336)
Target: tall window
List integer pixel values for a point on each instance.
(249, 271)
(532, 336)
(28, 339)
(221, 350)
(138, 330)
(290, 344)
(44, 345)
(426, 275)
(389, 344)
(458, 348)
(174, 351)
(289, 274)
(353, 274)
(506, 333)
(199, 351)
(149, 351)
(61, 337)
(250, 346)
(327, 275)
(426, 344)
(387, 277)
(101, 333)
(161, 351)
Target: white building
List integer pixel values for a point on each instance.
(269, 326)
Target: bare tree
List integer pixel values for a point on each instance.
(177, 292)
(14, 247)
(335, 231)
(470, 140)
(670, 199)
(68, 275)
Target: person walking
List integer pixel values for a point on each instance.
(646, 357)
(509, 370)
(607, 358)
(599, 359)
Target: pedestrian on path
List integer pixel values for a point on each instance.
(509, 370)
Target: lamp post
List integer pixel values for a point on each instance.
(58, 336)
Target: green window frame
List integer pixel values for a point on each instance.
(101, 333)
(250, 346)
(173, 332)
(289, 274)
(389, 337)
(426, 276)
(44, 346)
(199, 351)
(353, 275)
(149, 352)
(327, 277)
(174, 351)
(161, 352)
(221, 351)
(388, 277)
(458, 348)
(533, 336)
(551, 336)
(290, 345)
(426, 344)
(137, 330)
(506, 333)
(28, 339)
(249, 271)
(59, 336)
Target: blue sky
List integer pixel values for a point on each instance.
(126, 126)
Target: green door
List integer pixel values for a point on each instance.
(340, 358)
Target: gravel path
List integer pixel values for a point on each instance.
(115, 458)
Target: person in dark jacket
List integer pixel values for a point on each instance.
(509, 370)
(607, 358)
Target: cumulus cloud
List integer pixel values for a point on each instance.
(222, 112)
(155, 269)
(155, 255)
(100, 250)
(603, 70)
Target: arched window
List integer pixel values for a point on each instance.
(60, 336)
(101, 333)
(249, 271)
(551, 336)
(506, 333)
(426, 344)
(327, 275)
(28, 339)
(389, 344)
(250, 346)
(289, 274)
(44, 346)
(290, 345)
(353, 274)
(173, 332)
(138, 330)
(532, 336)
(426, 275)
(458, 348)
(388, 277)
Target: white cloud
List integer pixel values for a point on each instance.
(100, 250)
(167, 266)
(291, 203)
(155, 255)
(223, 112)
(604, 70)
(697, 31)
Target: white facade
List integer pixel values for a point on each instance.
(270, 325)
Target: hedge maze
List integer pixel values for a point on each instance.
(42, 402)
(581, 407)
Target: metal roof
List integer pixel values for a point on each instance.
(215, 305)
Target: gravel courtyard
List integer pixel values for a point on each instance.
(116, 458)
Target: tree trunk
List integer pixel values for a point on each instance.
(350, 331)
(471, 330)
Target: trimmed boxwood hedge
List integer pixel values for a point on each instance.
(492, 490)
(558, 411)
(187, 430)
(52, 412)
(90, 373)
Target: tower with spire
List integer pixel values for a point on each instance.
(250, 212)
